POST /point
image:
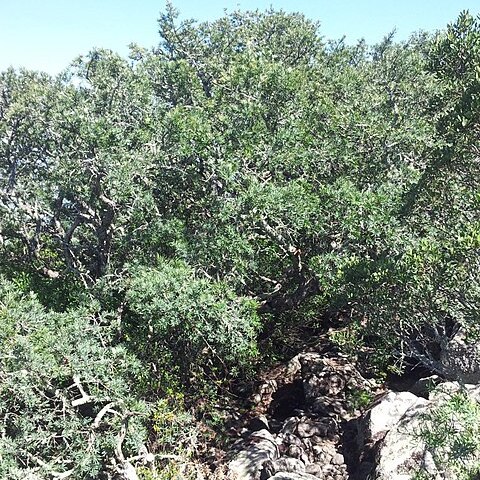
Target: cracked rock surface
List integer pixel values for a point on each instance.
(306, 425)
(302, 414)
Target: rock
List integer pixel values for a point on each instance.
(338, 459)
(429, 464)
(385, 414)
(305, 458)
(284, 465)
(381, 423)
(302, 409)
(294, 366)
(315, 469)
(324, 453)
(423, 386)
(460, 359)
(290, 425)
(248, 462)
(317, 450)
(290, 439)
(394, 425)
(293, 476)
(401, 453)
(321, 407)
(294, 451)
(446, 390)
(320, 428)
(307, 429)
(332, 472)
(328, 384)
(268, 387)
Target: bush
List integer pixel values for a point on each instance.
(194, 327)
(451, 433)
(66, 392)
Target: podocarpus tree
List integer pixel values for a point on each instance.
(244, 172)
(424, 293)
(226, 147)
(72, 154)
(267, 146)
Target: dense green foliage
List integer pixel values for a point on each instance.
(66, 391)
(450, 433)
(159, 214)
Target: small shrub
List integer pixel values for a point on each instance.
(451, 433)
(66, 392)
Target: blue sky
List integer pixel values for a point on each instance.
(48, 34)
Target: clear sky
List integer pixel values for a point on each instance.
(48, 34)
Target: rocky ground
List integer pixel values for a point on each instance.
(304, 420)
(317, 416)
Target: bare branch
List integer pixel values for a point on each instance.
(85, 398)
(106, 409)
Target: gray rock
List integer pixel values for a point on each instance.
(293, 476)
(338, 459)
(397, 420)
(294, 451)
(316, 440)
(320, 428)
(460, 359)
(327, 384)
(385, 414)
(324, 455)
(248, 462)
(308, 428)
(286, 464)
(290, 425)
(312, 434)
(446, 390)
(317, 450)
(291, 439)
(321, 407)
(315, 469)
(294, 366)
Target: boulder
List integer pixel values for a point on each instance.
(391, 429)
(460, 359)
(293, 476)
(385, 414)
(251, 455)
(402, 453)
